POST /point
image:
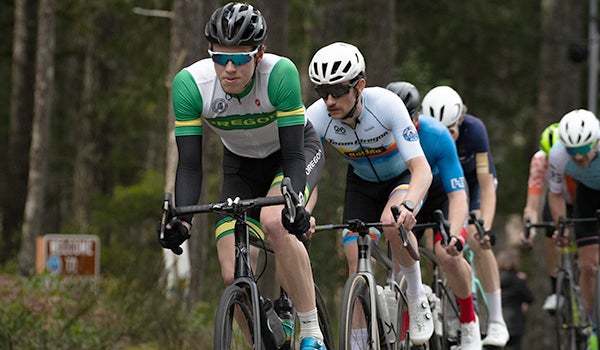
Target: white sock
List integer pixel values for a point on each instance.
(414, 286)
(309, 325)
(359, 339)
(494, 305)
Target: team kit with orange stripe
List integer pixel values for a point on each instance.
(376, 151)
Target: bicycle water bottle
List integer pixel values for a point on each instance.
(274, 324)
(384, 315)
(284, 308)
(391, 302)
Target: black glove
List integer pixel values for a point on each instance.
(301, 223)
(174, 236)
(490, 234)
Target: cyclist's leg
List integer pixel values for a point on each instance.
(587, 201)
(488, 273)
(421, 320)
(552, 256)
(294, 270)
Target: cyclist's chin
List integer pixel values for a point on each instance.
(582, 163)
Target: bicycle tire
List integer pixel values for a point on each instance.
(324, 320)
(481, 307)
(235, 306)
(356, 305)
(565, 329)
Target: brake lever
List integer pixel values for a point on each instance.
(291, 199)
(166, 213)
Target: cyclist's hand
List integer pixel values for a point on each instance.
(561, 241)
(527, 242)
(311, 230)
(175, 234)
(454, 247)
(301, 223)
(488, 241)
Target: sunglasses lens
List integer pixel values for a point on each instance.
(336, 91)
(582, 150)
(237, 59)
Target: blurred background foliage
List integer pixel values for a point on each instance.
(518, 65)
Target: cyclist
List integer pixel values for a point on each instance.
(577, 155)
(470, 135)
(447, 191)
(372, 130)
(253, 101)
(535, 188)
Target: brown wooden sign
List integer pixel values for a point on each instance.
(68, 255)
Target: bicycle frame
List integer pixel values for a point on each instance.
(244, 279)
(367, 249)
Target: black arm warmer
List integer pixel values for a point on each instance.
(291, 139)
(188, 179)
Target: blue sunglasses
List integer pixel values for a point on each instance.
(237, 58)
(582, 150)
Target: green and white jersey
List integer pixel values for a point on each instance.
(247, 123)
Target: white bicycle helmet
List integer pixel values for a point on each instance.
(578, 128)
(336, 63)
(444, 104)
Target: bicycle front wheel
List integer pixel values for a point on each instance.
(234, 326)
(355, 319)
(565, 325)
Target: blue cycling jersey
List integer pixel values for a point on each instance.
(440, 151)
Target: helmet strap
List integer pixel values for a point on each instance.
(353, 110)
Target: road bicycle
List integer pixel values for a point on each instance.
(244, 318)
(442, 301)
(366, 304)
(572, 325)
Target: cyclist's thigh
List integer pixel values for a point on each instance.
(587, 201)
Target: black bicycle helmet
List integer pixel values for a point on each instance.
(408, 93)
(236, 24)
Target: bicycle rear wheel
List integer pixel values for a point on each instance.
(234, 326)
(355, 320)
(565, 328)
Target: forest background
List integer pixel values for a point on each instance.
(86, 139)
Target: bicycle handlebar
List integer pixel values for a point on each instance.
(561, 225)
(230, 206)
(478, 223)
(443, 226)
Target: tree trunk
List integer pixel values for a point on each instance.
(559, 92)
(187, 45)
(19, 139)
(40, 138)
(276, 12)
(87, 159)
(380, 46)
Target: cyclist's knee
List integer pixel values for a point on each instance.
(227, 275)
(271, 225)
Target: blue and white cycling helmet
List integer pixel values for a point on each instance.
(444, 104)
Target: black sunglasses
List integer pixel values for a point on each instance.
(336, 91)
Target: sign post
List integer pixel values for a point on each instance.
(68, 255)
